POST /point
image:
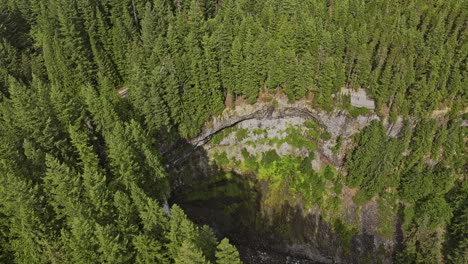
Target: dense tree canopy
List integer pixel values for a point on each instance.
(81, 177)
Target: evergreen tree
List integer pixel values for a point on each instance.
(190, 254)
(233, 83)
(207, 242)
(212, 82)
(80, 242)
(81, 176)
(150, 245)
(112, 245)
(181, 230)
(63, 186)
(227, 253)
(325, 83)
(248, 83)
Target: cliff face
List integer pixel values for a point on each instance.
(274, 117)
(306, 232)
(337, 122)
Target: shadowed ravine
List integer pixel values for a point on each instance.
(285, 234)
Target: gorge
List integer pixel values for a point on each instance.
(291, 229)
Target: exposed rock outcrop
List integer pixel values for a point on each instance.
(275, 116)
(312, 235)
(337, 122)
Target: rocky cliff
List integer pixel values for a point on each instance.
(276, 115)
(310, 232)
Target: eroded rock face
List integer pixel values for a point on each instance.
(337, 122)
(276, 117)
(313, 237)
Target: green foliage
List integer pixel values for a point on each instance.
(434, 212)
(207, 242)
(190, 254)
(346, 232)
(269, 157)
(221, 158)
(283, 172)
(306, 164)
(295, 137)
(241, 134)
(218, 137)
(415, 186)
(355, 112)
(251, 143)
(297, 176)
(329, 173)
(387, 208)
(457, 241)
(421, 142)
(326, 84)
(313, 134)
(250, 160)
(80, 173)
(368, 167)
(425, 224)
(425, 187)
(337, 147)
(259, 131)
(227, 253)
(311, 124)
(326, 135)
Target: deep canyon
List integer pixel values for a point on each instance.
(283, 229)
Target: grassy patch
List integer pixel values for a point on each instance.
(221, 158)
(241, 134)
(296, 176)
(329, 173)
(337, 147)
(296, 139)
(275, 103)
(251, 143)
(282, 172)
(326, 135)
(259, 131)
(306, 164)
(269, 157)
(250, 161)
(337, 187)
(357, 111)
(333, 203)
(362, 196)
(311, 124)
(266, 99)
(313, 134)
(275, 142)
(218, 137)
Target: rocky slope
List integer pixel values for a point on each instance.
(275, 116)
(309, 234)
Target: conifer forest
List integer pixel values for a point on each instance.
(177, 131)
